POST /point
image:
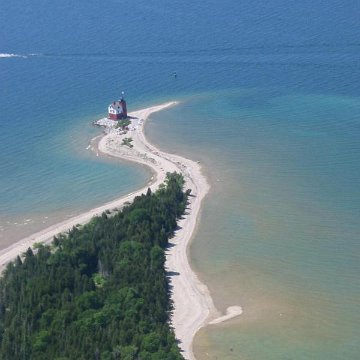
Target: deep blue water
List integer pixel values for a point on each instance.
(278, 80)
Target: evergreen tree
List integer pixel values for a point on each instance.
(98, 292)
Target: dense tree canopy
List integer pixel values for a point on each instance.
(98, 292)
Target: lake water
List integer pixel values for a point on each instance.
(279, 232)
(270, 105)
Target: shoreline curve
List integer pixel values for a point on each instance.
(193, 305)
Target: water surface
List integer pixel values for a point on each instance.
(270, 96)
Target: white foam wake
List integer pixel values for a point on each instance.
(5, 55)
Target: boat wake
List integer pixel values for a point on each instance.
(6, 55)
(22, 56)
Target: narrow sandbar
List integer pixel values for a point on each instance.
(193, 305)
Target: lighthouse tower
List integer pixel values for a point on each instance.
(117, 109)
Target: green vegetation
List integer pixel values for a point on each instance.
(99, 292)
(127, 142)
(123, 123)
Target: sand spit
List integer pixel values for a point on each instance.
(193, 305)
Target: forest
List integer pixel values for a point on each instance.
(99, 291)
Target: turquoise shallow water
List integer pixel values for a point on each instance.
(279, 233)
(48, 175)
(270, 106)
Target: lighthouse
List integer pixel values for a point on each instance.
(117, 109)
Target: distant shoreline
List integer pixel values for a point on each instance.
(193, 305)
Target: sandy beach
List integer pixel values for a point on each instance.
(193, 305)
